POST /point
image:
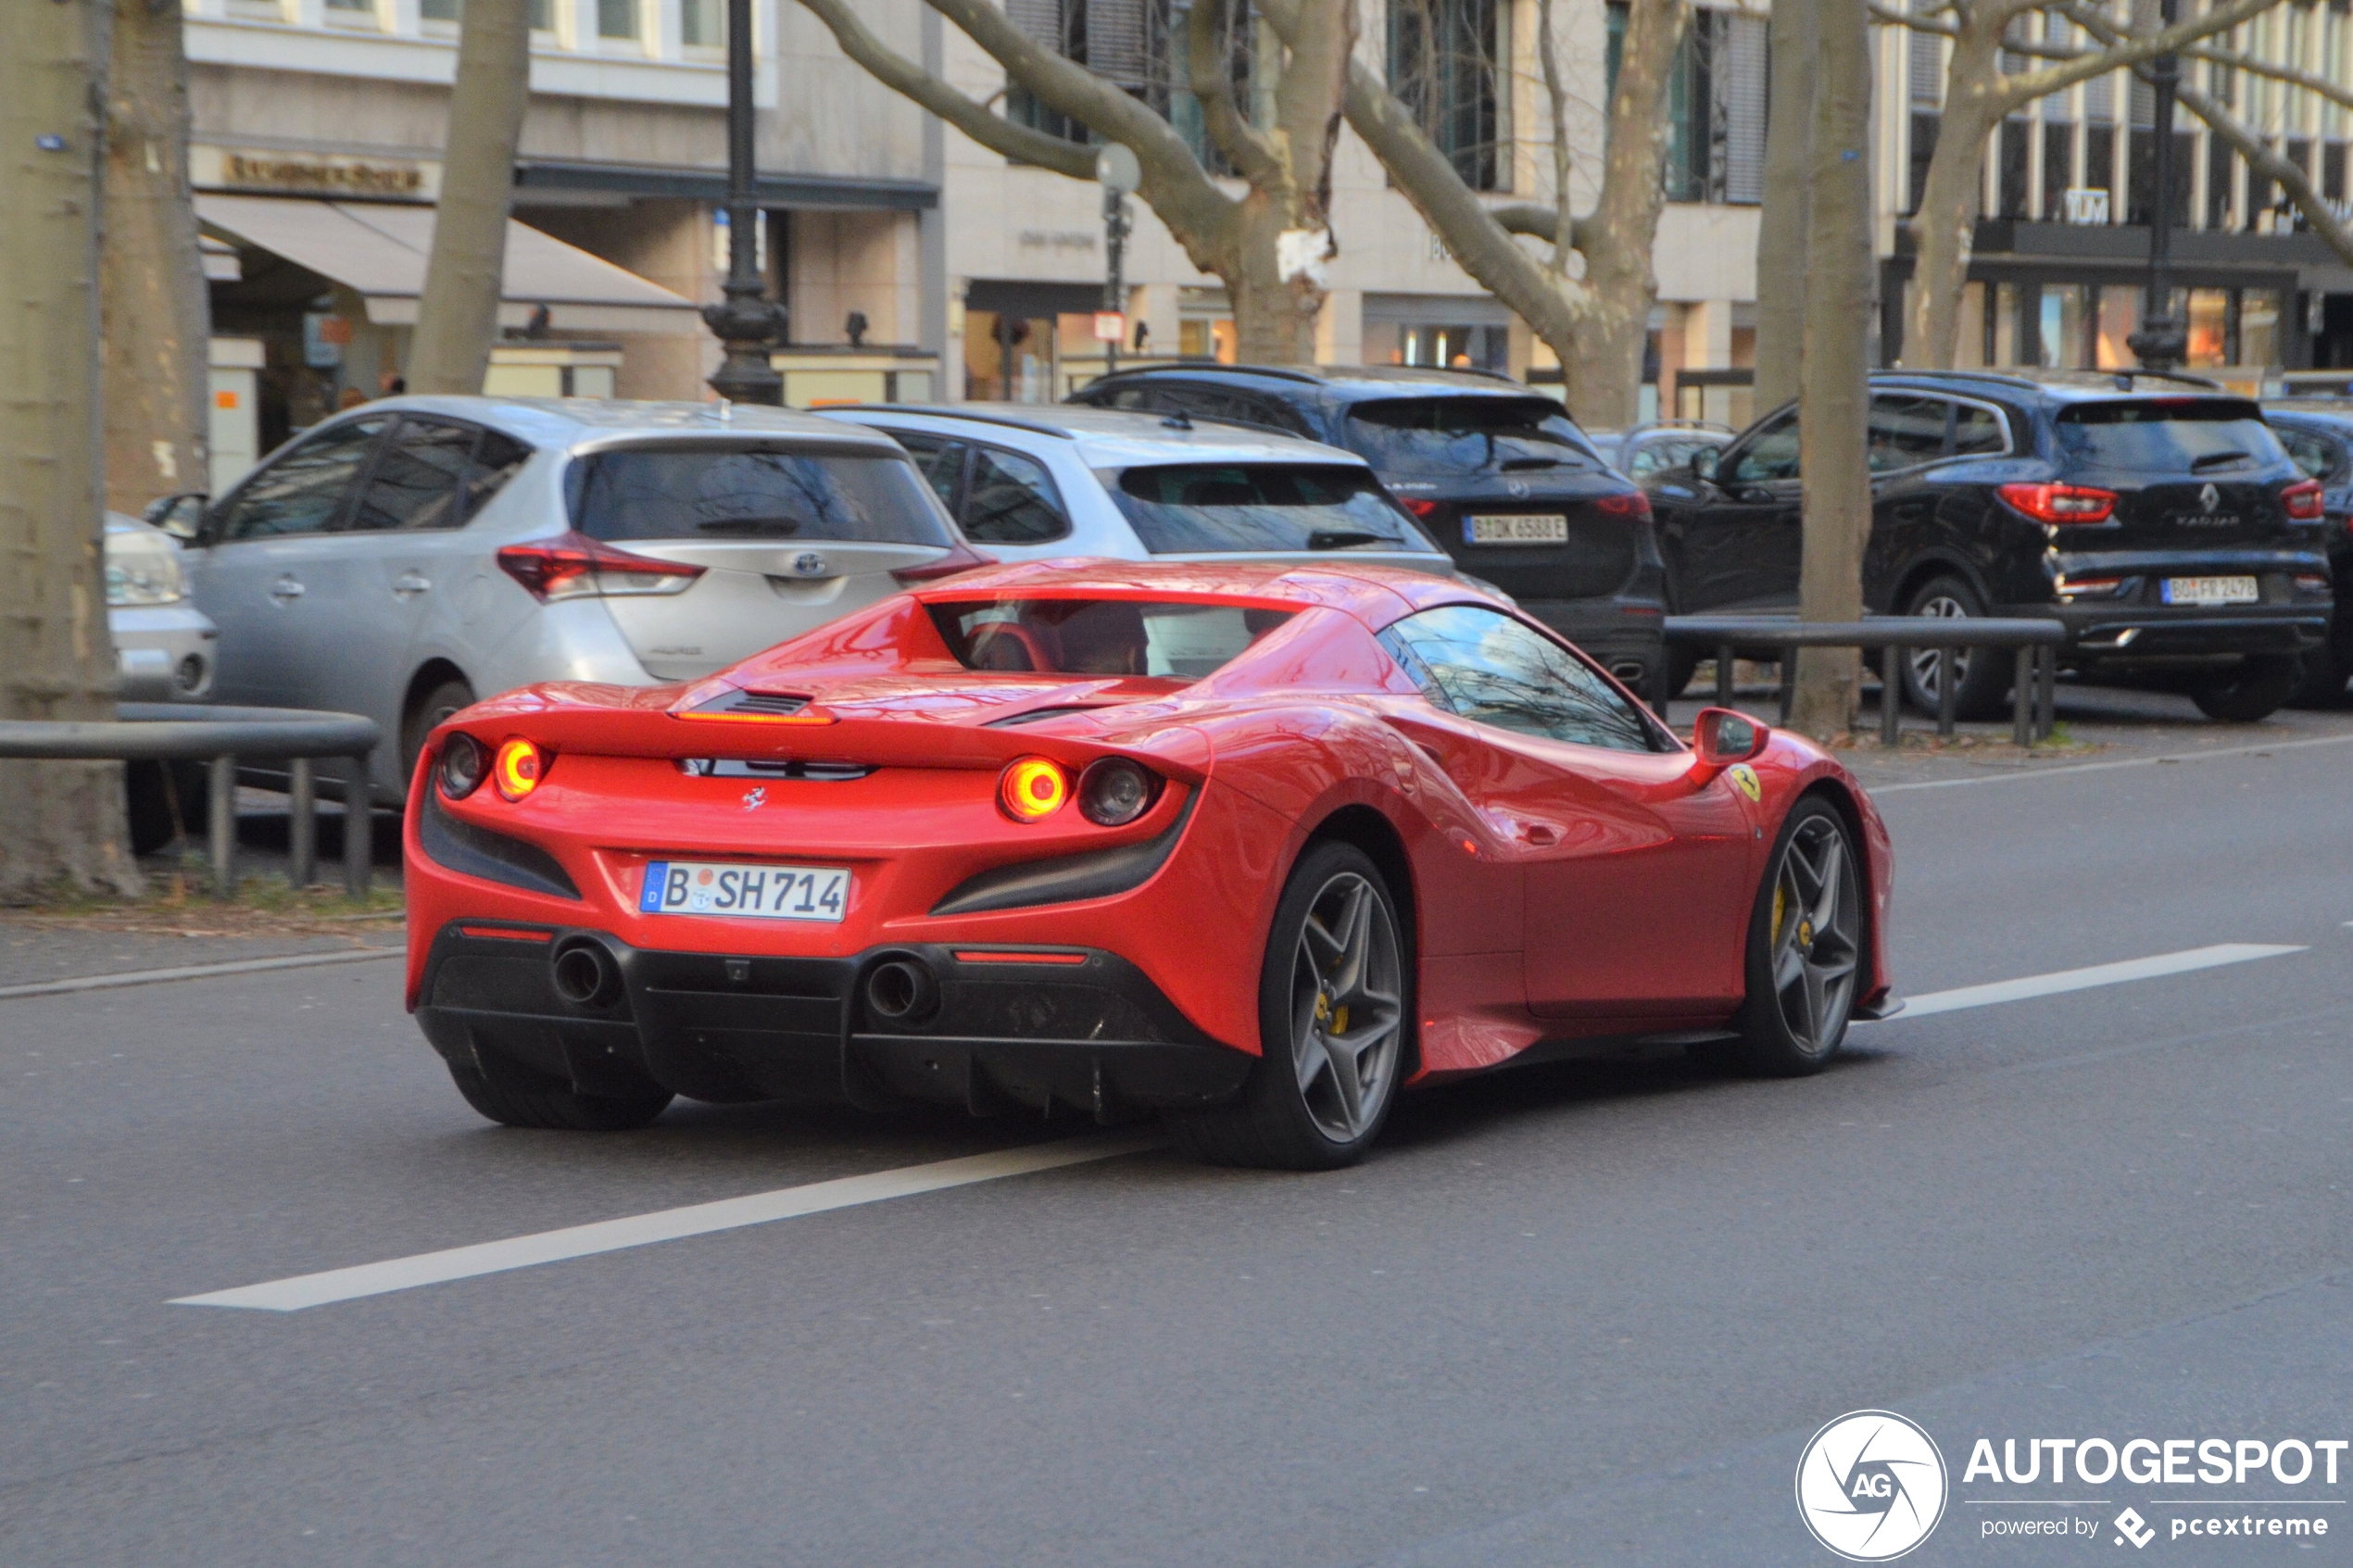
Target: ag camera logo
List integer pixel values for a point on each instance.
(1871, 1486)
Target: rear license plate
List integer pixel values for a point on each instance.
(731, 887)
(1540, 529)
(2211, 591)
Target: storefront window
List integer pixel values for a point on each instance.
(2210, 327)
(1008, 359)
(2120, 319)
(1208, 338)
(2259, 327)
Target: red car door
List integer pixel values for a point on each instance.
(1636, 875)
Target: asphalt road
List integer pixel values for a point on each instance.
(1567, 1316)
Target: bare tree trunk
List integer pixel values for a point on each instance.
(1945, 227)
(156, 313)
(1781, 224)
(1602, 375)
(59, 821)
(458, 318)
(1835, 382)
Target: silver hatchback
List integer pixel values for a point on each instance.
(415, 554)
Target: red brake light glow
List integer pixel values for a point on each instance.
(2303, 500)
(518, 768)
(1633, 504)
(572, 566)
(1421, 507)
(1033, 788)
(2060, 503)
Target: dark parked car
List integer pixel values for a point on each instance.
(1499, 475)
(2158, 517)
(2318, 435)
(1663, 444)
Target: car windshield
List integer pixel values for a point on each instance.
(1209, 507)
(1179, 639)
(738, 492)
(1463, 435)
(2169, 434)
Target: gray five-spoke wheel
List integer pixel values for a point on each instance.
(1346, 1022)
(1928, 664)
(1814, 934)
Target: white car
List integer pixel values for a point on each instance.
(1030, 482)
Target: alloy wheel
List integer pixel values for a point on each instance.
(1816, 947)
(1346, 1025)
(1928, 664)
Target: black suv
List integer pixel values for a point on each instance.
(2318, 434)
(1499, 475)
(2157, 516)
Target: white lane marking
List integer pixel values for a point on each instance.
(668, 1224)
(2065, 980)
(2023, 774)
(193, 971)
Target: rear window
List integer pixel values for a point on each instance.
(736, 492)
(1173, 639)
(1208, 507)
(2169, 434)
(1458, 435)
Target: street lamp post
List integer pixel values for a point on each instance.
(747, 321)
(1116, 167)
(2162, 343)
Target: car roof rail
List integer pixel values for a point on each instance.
(1632, 430)
(2006, 377)
(955, 411)
(2124, 379)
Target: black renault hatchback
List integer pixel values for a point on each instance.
(2157, 516)
(1498, 475)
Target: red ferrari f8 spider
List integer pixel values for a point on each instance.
(1252, 848)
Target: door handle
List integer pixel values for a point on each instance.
(410, 583)
(285, 590)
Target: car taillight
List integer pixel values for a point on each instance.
(462, 764)
(960, 556)
(1633, 504)
(1115, 792)
(2303, 500)
(518, 768)
(2088, 587)
(1033, 788)
(1421, 507)
(2060, 503)
(572, 566)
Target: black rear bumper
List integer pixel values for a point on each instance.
(2112, 631)
(994, 1033)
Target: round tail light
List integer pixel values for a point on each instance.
(517, 769)
(1033, 788)
(462, 766)
(1115, 791)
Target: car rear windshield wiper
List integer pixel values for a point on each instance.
(775, 524)
(2219, 460)
(1509, 464)
(1344, 538)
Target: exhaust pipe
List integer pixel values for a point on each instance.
(902, 990)
(584, 973)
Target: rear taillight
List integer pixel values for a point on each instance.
(463, 765)
(960, 556)
(1422, 507)
(2303, 500)
(518, 768)
(2088, 587)
(572, 566)
(1633, 504)
(2060, 503)
(1033, 788)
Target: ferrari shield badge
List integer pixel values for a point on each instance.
(1744, 779)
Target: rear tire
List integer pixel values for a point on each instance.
(1984, 673)
(512, 1100)
(1335, 1002)
(1804, 958)
(2257, 689)
(2322, 681)
(431, 711)
(1681, 665)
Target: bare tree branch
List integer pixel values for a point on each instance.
(1250, 151)
(2027, 86)
(906, 77)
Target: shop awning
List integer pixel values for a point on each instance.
(379, 252)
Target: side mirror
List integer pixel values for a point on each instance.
(1722, 737)
(1705, 461)
(181, 516)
